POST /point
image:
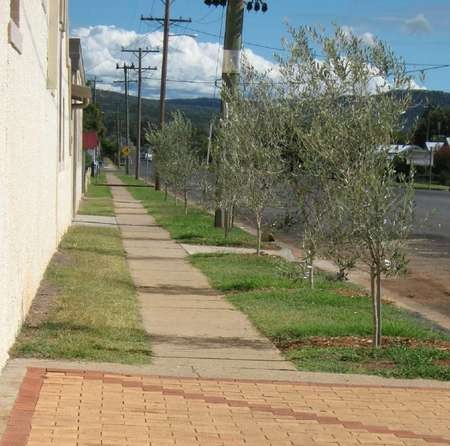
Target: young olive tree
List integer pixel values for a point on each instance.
(249, 146)
(353, 115)
(184, 161)
(160, 140)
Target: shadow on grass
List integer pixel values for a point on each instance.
(125, 185)
(104, 252)
(109, 339)
(177, 290)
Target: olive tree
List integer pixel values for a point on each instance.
(248, 149)
(162, 156)
(346, 93)
(175, 157)
(184, 162)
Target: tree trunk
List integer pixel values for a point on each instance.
(375, 291)
(166, 192)
(185, 203)
(226, 226)
(380, 324)
(311, 275)
(258, 235)
(310, 260)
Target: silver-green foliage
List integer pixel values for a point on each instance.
(346, 98)
(248, 150)
(175, 158)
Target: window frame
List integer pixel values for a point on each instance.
(15, 38)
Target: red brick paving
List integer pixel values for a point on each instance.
(73, 408)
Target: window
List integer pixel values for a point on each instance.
(53, 44)
(63, 14)
(15, 12)
(14, 34)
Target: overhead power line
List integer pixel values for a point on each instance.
(140, 54)
(166, 21)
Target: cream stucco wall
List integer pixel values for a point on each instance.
(36, 167)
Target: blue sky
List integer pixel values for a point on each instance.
(418, 30)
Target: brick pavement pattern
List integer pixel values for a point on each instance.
(79, 408)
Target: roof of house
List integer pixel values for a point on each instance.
(76, 57)
(398, 149)
(434, 146)
(90, 140)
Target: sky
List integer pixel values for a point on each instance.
(417, 30)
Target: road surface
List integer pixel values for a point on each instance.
(435, 207)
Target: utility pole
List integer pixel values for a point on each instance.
(127, 82)
(166, 21)
(118, 135)
(94, 83)
(430, 171)
(232, 44)
(232, 55)
(140, 53)
(231, 69)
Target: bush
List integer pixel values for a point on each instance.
(444, 177)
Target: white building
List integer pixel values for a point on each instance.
(40, 169)
(413, 155)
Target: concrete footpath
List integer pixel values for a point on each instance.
(213, 380)
(192, 327)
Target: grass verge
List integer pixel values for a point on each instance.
(86, 308)
(426, 186)
(98, 198)
(194, 228)
(327, 329)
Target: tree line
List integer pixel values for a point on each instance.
(320, 126)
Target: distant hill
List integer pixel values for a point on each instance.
(201, 110)
(421, 99)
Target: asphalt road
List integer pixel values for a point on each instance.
(432, 213)
(432, 217)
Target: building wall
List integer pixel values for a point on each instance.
(77, 146)
(36, 172)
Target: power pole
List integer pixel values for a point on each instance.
(94, 83)
(118, 135)
(166, 21)
(127, 82)
(140, 53)
(232, 44)
(232, 55)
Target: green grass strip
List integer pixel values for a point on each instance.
(290, 313)
(93, 314)
(426, 186)
(194, 228)
(98, 198)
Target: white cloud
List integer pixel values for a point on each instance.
(414, 25)
(417, 25)
(188, 60)
(367, 38)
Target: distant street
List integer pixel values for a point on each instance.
(434, 206)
